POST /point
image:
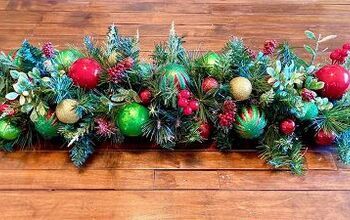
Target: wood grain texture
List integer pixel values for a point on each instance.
(149, 184)
(198, 204)
(154, 160)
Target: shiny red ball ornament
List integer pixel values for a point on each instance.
(204, 130)
(145, 96)
(209, 83)
(287, 126)
(336, 80)
(323, 137)
(85, 73)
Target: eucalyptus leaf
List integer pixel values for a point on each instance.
(310, 35)
(327, 38)
(14, 74)
(310, 50)
(11, 96)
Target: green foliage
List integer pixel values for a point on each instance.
(29, 56)
(343, 147)
(287, 56)
(81, 151)
(314, 50)
(282, 151)
(161, 128)
(240, 60)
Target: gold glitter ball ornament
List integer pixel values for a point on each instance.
(241, 88)
(65, 111)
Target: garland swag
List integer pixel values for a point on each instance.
(272, 97)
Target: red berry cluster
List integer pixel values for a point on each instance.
(48, 50)
(269, 47)
(339, 55)
(308, 95)
(187, 103)
(227, 117)
(117, 72)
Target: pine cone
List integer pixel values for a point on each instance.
(230, 106)
(117, 72)
(308, 95)
(48, 50)
(269, 47)
(252, 53)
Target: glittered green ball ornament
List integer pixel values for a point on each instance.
(211, 59)
(65, 58)
(130, 119)
(174, 75)
(8, 131)
(47, 127)
(250, 123)
(311, 111)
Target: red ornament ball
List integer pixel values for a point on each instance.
(287, 126)
(323, 137)
(145, 96)
(204, 130)
(85, 73)
(336, 80)
(209, 83)
(187, 110)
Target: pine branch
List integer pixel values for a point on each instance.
(282, 151)
(81, 151)
(343, 147)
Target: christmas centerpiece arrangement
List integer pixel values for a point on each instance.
(270, 99)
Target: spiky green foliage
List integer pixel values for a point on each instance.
(282, 151)
(343, 147)
(81, 151)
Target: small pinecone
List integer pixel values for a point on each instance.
(48, 50)
(230, 106)
(269, 47)
(117, 72)
(252, 53)
(308, 95)
(104, 127)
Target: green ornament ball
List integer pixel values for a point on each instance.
(311, 111)
(8, 131)
(46, 127)
(130, 119)
(174, 75)
(65, 58)
(250, 123)
(211, 59)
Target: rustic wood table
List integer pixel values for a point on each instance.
(149, 184)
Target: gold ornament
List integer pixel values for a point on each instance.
(65, 111)
(241, 88)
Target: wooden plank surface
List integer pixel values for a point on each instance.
(151, 184)
(197, 204)
(154, 160)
